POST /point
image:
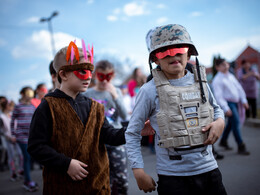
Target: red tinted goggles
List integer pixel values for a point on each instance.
(171, 52)
(101, 77)
(83, 74)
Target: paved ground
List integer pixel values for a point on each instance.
(240, 173)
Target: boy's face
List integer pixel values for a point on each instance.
(223, 67)
(173, 66)
(104, 77)
(76, 84)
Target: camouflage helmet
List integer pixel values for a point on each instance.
(171, 34)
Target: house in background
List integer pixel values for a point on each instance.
(250, 54)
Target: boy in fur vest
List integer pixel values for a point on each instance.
(69, 131)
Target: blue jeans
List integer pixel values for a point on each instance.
(233, 124)
(26, 162)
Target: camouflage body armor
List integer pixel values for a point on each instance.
(182, 113)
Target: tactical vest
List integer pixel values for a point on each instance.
(71, 138)
(182, 113)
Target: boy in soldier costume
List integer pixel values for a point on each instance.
(69, 131)
(184, 115)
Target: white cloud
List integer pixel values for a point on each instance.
(129, 10)
(134, 9)
(39, 45)
(229, 50)
(112, 18)
(161, 20)
(196, 14)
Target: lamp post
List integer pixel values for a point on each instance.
(50, 29)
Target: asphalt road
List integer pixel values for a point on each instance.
(240, 173)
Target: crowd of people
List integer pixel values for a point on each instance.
(84, 130)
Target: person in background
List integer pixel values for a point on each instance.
(13, 149)
(22, 116)
(229, 93)
(2, 99)
(111, 97)
(137, 80)
(127, 101)
(40, 91)
(3, 146)
(248, 78)
(54, 77)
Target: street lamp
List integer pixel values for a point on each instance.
(50, 29)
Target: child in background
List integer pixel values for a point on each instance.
(54, 78)
(104, 92)
(181, 110)
(13, 149)
(248, 78)
(22, 116)
(40, 91)
(127, 102)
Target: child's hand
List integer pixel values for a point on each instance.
(76, 170)
(228, 113)
(145, 182)
(13, 139)
(215, 130)
(111, 89)
(246, 106)
(147, 130)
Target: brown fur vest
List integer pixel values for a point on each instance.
(72, 139)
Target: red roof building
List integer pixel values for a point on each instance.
(250, 54)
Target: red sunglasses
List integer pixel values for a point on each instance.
(101, 77)
(171, 52)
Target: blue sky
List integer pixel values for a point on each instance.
(116, 28)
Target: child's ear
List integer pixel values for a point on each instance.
(63, 75)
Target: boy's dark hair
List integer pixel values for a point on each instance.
(219, 61)
(3, 103)
(104, 64)
(51, 69)
(2, 99)
(59, 79)
(40, 85)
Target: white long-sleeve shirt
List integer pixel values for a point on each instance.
(227, 89)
